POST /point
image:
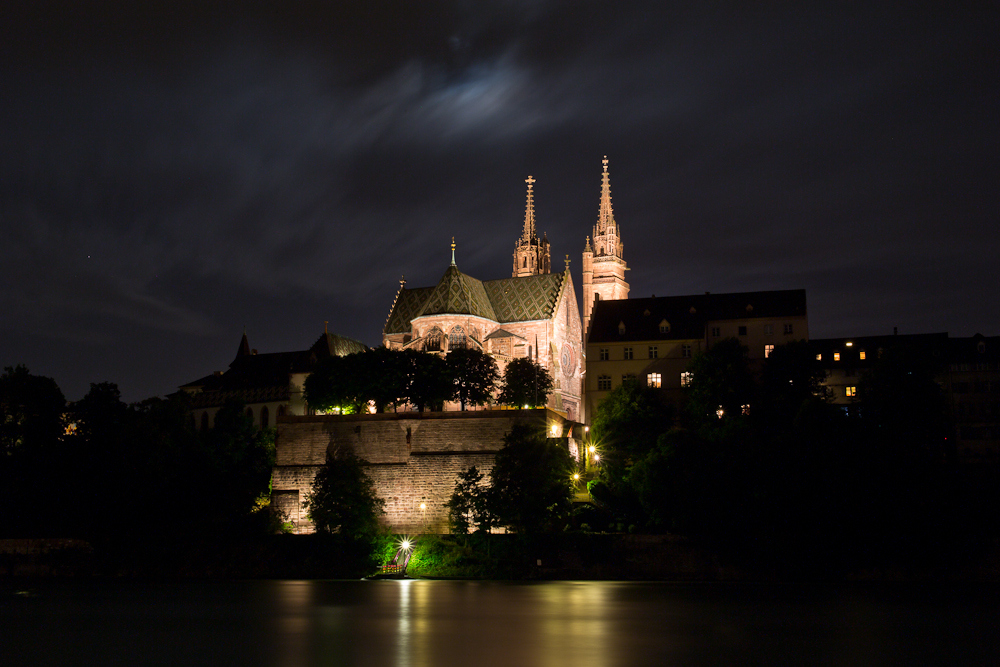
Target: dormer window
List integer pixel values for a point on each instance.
(664, 327)
(621, 328)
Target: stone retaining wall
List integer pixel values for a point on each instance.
(414, 458)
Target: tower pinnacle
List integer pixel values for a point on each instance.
(529, 212)
(531, 254)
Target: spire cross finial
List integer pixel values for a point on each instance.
(453, 251)
(605, 163)
(530, 181)
(567, 262)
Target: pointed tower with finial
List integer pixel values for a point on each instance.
(531, 254)
(603, 266)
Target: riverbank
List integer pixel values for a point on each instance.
(567, 556)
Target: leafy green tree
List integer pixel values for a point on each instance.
(468, 505)
(474, 374)
(720, 379)
(31, 410)
(530, 487)
(428, 384)
(240, 458)
(384, 377)
(525, 383)
(338, 383)
(343, 499)
(791, 377)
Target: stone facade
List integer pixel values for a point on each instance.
(414, 458)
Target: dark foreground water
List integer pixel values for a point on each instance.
(441, 623)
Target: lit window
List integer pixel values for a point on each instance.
(627, 353)
(768, 329)
(851, 391)
(819, 357)
(604, 383)
(716, 332)
(745, 409)
(861, 355)
(742, 330)
(849, 344)
(836, 356)
(768, 349)
(686, 351)
(653, 380)
(686, 378)
(605, 354)
(788, 329)
(664, 327)
(653, 352)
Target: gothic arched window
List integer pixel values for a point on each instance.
(525, 262)
(204, 421)
(265, 417)
(456, 338)
(434, 337)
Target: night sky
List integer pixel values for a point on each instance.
(172, 173)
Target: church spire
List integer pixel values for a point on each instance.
(603, 263)
(531, 254)
(606, 217)
(529, 213)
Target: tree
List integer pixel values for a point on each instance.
(343, 499)
(791, 377)
(474, 374)
(336, 383)
(530, 488)
(240, 458)
(31, 410)
(720, 380)
(468, 505)
(525, 383)
(428, 384)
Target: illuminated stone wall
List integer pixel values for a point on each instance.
(414, 458)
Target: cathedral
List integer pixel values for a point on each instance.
(533, 314)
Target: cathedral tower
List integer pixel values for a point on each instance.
(603, 266)
(531, 254)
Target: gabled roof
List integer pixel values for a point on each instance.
(505, 300)
(687, 315)
(330, 345)
(503, 333)
(257, 378)
(458, 294)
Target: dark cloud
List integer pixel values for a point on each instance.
(172, 171)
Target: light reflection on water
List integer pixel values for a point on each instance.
(442, 623)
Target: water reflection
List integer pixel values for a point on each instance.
(443, 623)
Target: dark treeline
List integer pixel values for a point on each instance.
(399, 379)
(761, 465)
(117, 474)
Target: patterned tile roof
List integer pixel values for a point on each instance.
(458, 294)
(525, 299)
(408, 305)
(504, 300)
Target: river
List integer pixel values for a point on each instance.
(443, 623)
